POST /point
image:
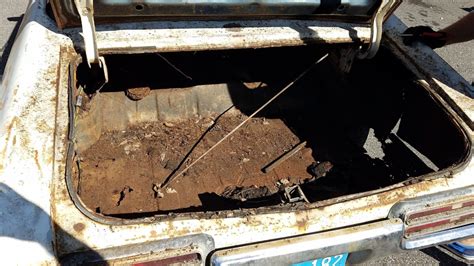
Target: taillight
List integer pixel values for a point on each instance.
(439, 218)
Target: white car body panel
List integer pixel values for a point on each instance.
(33, 126)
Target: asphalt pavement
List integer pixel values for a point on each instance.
(439, 14)
(435, 13)
(11, 13)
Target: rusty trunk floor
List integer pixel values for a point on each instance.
(119, 172)
(358, 122)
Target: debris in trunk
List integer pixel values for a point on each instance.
(168, 124)
(122, 194)
(171, 190)
(320, 169)
(148, 164)
(295, 194)
(245, 193)
(284, 157)
(158, 193)
(137, 93)
(186, 158)
(131, 147)
(283, 182)
(254, 85)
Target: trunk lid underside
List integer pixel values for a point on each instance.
(118, 11)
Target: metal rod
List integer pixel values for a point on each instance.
(283, 157)
(216, 120)
(170, 180)
(174, 67)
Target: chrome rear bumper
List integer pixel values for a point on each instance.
(363, 243)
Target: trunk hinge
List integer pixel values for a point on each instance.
(376, 30)
(95, 62)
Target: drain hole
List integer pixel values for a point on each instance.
(139, 7)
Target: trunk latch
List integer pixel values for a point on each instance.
(95, 62)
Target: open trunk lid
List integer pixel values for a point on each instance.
(118, 11)
(365, 13)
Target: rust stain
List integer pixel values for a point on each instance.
(302, 221)
(390, 197)
(79, 227)
(37, 161)
(9, 133)
(153, 234)
(176, 232)
(64, 193)
(184, 232)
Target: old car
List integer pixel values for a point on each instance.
(228, 132)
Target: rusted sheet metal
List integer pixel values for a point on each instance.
(169, 36)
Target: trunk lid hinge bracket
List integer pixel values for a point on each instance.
(376, 30)
(95, 62)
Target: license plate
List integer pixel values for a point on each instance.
(338, 260)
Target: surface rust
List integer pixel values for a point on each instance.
(128, 164)
(9, 130)
(79, 227)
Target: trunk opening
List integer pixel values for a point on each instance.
(365, 130)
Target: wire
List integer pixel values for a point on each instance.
(170, 180)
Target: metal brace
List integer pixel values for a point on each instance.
(376, 31)
(295, 194)
(85, 8)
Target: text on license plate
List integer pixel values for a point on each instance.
(338, 260)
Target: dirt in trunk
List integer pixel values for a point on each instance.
(120, 171)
